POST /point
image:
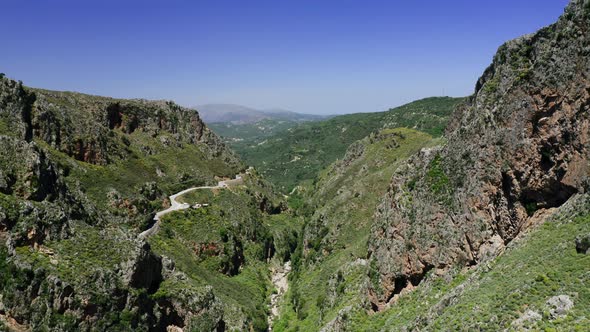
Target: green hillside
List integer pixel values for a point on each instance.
(330, 265)
(81, 177)
(299, 153)
(242, 136)
(512, 292)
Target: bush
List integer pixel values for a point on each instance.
(439, 181)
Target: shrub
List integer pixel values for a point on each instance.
(438, 180)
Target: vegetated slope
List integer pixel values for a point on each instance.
(240, 115)
(241, 127)
(330, 265)
(486, 231)
(81, 176)
(222, 248)
(242, 136)
(298, 154)
(539, 282)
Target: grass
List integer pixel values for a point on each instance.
(543, 265)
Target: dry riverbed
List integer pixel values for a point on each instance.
(279, 276)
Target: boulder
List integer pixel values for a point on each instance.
(583, 244)
(559, 306)
(528, 317)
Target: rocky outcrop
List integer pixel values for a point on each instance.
(95, 122)
(37, 202)
(583, 244)
(559, 306)
(94, 129)
(144, 269)
(27, 172)
(15, 105)
(340, 322)
(518, 146)
(195, 310)
(45, 301)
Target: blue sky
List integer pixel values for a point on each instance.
(307, 56)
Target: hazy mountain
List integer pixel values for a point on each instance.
(238, 114)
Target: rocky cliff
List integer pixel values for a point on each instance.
(517, 148)
(83, 126)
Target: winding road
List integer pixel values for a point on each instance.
(176, 206)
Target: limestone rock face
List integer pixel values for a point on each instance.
(518, 146)
(15, 106)
(52, 121)
(29, 176)
(27, 172)
(528, 316)
(339, 323)
(85, 127)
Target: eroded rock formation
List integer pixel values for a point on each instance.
(519, 145)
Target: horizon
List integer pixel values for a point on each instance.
(326, 59)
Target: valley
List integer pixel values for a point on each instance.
(443, 214)
(296, 152)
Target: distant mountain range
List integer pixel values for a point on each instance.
(238, 114)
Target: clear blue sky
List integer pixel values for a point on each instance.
(315, 56)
